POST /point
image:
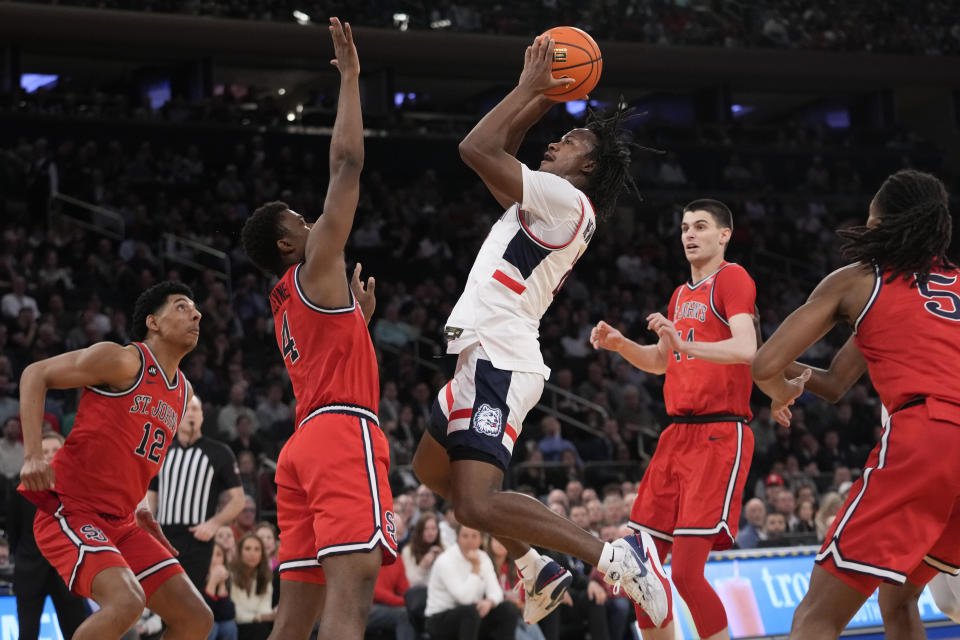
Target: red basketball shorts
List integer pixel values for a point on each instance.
(693, 485)
(333, 496)
(901, 519)
(80, 543)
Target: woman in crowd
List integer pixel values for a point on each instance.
(216, 594)
(268, 535)
(805, 512)
(829, 507)
(225, 538)
(251, 589)
(422, 550)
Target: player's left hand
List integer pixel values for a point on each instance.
(205, 530)
(146, 522)
(537, 75)
(787, 395)
(364, 293)
(666, 331)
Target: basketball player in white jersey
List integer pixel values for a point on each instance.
(550, 219)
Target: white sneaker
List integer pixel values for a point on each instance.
(543, 593)
(636, 569)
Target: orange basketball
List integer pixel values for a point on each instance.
(576, 56)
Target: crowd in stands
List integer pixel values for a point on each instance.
(64, 287)
(894, 26)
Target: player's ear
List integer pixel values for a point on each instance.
(725, 233)
(284, 245)
(588, 166)
(152, 323)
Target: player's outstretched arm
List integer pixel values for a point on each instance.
(528, 116)
(487, 148)
(324, 250)
(105, 363)
(831, 384)
(839, 296)
(651, 358)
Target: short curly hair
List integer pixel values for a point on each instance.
(151, 300)
(260, 234)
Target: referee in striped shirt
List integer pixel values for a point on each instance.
(185, 494)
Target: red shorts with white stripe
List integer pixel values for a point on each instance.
(80, 543)
(693, 485)
(901, 519)
(479, 414)
(333, 496)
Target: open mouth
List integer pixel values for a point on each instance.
(547, 157)
(691, 247)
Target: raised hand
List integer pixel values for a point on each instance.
(364, 293)
(344, 50)
(537, 74)
(667, 331)
(603, 336)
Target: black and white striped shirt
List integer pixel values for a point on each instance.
(191, 480)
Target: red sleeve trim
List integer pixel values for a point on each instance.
(508, 282)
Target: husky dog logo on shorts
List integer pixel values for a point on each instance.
(488, 420)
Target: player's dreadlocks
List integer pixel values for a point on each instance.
(611, 176)
(914, 229)
(151, 300)
(260, 234)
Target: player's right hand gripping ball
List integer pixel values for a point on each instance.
(576, 56)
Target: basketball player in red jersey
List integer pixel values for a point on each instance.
(691, 493)
(334, 505)
(132, 402)
(901, 295)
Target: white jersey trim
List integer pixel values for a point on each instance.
(176, 376)
(117, 394)
(315, 307)
(833, 550)
(149, 571)
(636, 526)
(877, 282)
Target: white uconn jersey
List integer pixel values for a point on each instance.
(521, 266)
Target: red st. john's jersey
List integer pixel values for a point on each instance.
(909, 334)
(328, 352)
(700, 311)
(119, 439)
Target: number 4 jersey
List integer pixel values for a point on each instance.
(909, 334)
(328, 352)
(701, 312)
(119, 439)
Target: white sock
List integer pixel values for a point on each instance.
(606, 557)
(527, 565)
